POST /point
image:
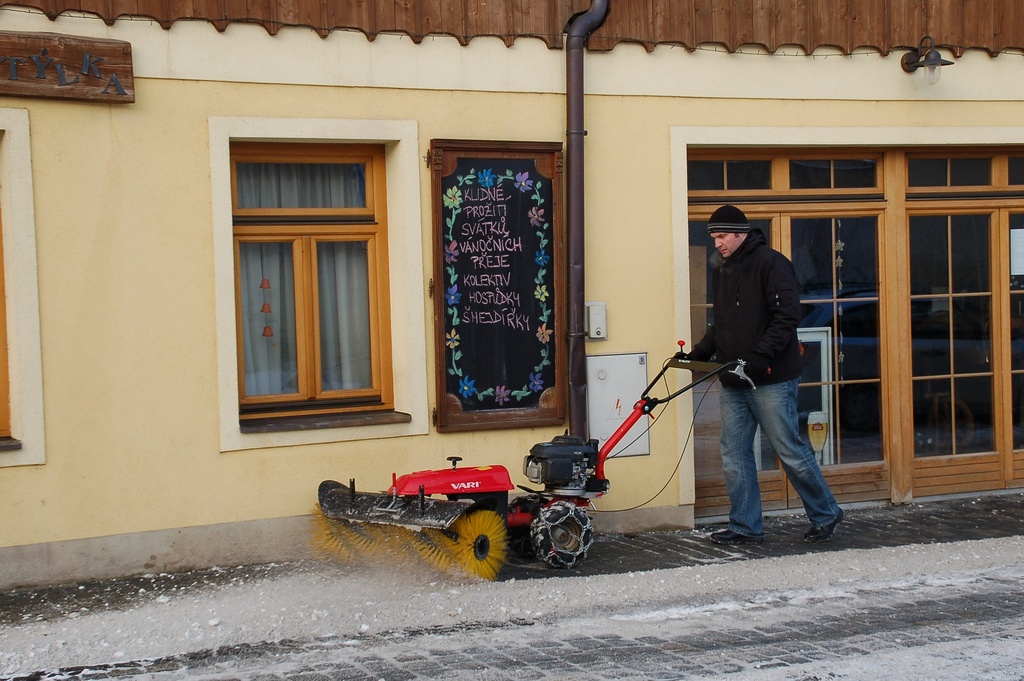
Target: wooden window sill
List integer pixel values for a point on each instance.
(283, 424)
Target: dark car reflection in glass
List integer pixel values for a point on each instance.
(951, 368)
(853, 372)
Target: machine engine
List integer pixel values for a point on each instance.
(566, 467)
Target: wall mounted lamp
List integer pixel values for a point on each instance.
(925, 56)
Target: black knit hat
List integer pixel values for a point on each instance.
(728, 219)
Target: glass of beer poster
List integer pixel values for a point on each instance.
(817, 431)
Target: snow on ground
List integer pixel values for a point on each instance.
(319, 600)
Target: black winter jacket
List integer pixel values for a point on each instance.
(756, 310)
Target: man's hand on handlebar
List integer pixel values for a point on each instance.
(740, 371)
(694, 356)
(738, 367)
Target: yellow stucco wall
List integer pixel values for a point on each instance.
(129, 230)
(124, 236)
(124, 239)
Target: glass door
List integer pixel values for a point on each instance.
(950, 331)
(836, 263)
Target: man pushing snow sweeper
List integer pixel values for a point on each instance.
(464, 517)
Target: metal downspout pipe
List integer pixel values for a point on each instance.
(578, 29)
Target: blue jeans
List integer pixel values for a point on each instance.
(773, 407)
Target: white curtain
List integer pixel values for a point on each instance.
(344, 315)
(301, 185)
(268, 338)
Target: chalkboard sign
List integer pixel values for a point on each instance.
(498, 284)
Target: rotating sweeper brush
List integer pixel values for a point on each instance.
(463, 517)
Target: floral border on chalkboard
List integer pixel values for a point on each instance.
(501, 394)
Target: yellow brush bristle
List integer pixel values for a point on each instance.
(434, 547)
(476, 532)
(356, 543)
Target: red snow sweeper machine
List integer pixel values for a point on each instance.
(463, 517)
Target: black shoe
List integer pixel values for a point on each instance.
(822, 533)
(731, 538)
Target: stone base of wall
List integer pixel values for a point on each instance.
(229, 544)
(178, 550)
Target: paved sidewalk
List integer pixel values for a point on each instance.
(942, 636)
(975, 517)
(971, 517)
(940, 622)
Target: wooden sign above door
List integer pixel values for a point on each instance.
(52, 65)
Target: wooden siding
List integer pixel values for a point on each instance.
(845, 25)
(854, 483)
(1017, 471)
(864, 482)
(957, 474)
(712, 499)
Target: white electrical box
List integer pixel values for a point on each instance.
(596, 320)
(614, 385)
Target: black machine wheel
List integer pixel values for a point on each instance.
(561, 534)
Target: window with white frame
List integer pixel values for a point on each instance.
(5, 384)
(23, 440)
